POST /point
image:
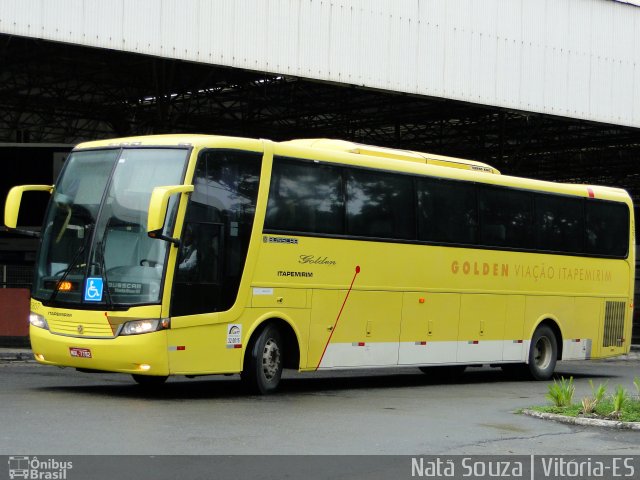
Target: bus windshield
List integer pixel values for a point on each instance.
(95, 249)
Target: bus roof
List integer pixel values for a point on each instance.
(174, 140)
(408, 160)
(314, 143)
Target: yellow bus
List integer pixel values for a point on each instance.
(198, 255)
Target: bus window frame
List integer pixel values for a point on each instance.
(476, 186)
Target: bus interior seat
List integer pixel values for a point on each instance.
(121, 248)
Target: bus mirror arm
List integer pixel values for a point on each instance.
(12, 206)
(158, 210)
(160, 236)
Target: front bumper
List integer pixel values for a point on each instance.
(140, 354)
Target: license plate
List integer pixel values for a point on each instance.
(80, 352)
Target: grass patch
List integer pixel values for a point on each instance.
(570, 411)
(630, 411)
(617, 406)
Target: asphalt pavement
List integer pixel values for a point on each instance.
(359, 412)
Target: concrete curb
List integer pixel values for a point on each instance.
(633, 355)
(590, 422)
(14, 355)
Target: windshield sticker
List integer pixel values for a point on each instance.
(93, 290)
(125, 287)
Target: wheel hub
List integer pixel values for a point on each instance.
(270, 359)
(542, 353)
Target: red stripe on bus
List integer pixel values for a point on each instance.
(339, 314)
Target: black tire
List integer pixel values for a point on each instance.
(149, 380)
(543, 353)
(263, 362)
(444, 373)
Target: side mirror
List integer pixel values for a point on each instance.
(158, 210)
(12, 205)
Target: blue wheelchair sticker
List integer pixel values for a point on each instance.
(93, 289)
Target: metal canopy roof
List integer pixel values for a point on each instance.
(60, 93)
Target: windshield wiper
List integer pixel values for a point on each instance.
(100, 248)
(72, 264)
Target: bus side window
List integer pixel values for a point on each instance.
(217, 230)
(559, 223)
(447, 211)
(506, 217)
(305, 197)
(380, 205)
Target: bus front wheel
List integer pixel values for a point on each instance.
(543, 353)
(264, 362)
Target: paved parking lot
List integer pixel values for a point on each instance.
(393, 411)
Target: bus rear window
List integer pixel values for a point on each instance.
(607, 228)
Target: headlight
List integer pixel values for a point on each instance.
(38, 321)
(136, 327)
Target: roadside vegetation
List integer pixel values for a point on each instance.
(620, 405)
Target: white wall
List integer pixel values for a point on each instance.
(574, 58)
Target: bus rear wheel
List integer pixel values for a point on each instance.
(543, 353)
(264, 362)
